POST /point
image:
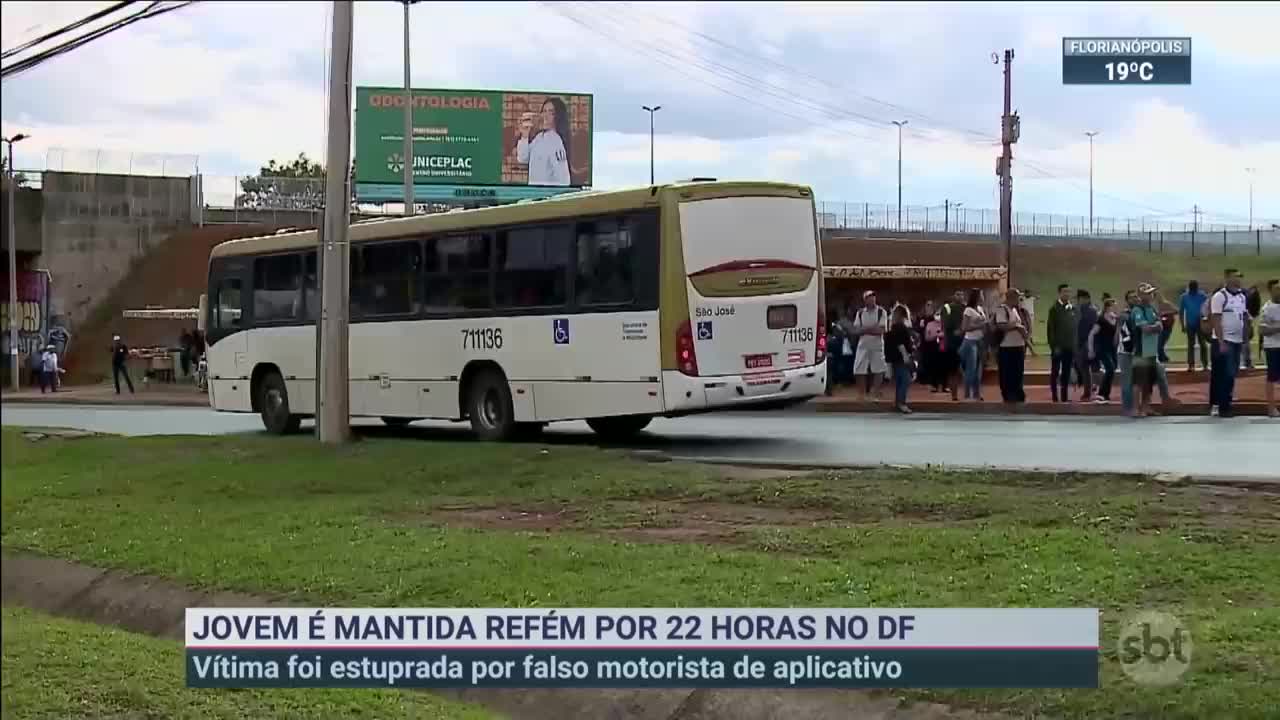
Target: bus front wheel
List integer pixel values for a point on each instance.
(490, 409)
(619, 427)
(274, 404)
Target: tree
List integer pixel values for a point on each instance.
(293, 185)
(18, 178)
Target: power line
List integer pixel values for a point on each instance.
(151, 11)
(65, 29)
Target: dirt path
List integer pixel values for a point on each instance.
(156, 606)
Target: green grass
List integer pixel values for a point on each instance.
(384, 523)
(57, 668)
(1117, 271)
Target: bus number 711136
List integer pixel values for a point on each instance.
(482, 339)
(797, 335)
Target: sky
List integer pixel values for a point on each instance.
(798, 92)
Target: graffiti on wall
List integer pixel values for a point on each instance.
(31, 312)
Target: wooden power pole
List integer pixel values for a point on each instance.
(1009, 131)
(333, 413)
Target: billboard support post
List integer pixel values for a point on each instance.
(408, 120)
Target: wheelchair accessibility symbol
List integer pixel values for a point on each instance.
(560, 327)
(704, 329)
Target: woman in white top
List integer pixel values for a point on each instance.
(974, 325)
(547, 154)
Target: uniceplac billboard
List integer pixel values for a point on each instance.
(474, 138)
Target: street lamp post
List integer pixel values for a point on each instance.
(651, 111)
(1091, 136)
(408, 118)
(899, 123)
(1251, 171)
(13, 267)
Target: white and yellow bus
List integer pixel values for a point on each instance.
(611, 307)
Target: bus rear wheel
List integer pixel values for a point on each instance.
(619, 427)
(489, 407)
(273, 399)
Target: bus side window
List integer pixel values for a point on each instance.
(604, 275)
(229, 304)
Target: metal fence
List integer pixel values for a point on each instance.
(118, 162)
(1152, 234)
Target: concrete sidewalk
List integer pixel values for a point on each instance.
(155, 394)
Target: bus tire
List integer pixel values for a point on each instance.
(619, 427)
(489, 407)
(273, 398)
(398, 422)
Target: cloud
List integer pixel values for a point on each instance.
(801, 91)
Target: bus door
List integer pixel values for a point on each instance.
(227, 336)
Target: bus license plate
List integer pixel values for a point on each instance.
(758, 361)
(781, 316)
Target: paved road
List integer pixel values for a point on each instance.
(1242, 447)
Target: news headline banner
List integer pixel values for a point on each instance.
(642, 648)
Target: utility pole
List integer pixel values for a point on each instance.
(408, 119)
(899, 123)
(333, 416)
(1251, 171)
(651, 111)
(13, 267)
(1009, 132)
(1091, 136)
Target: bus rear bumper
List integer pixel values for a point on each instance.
(683, 394)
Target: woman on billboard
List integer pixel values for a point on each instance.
(547, 154)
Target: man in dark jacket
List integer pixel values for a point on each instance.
(1087, 316)
(1063, 328)
(119, 363)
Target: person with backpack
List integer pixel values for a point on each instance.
(952, 324)
(869, 326)
(1229, 318)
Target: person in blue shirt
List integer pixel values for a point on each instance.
(1189, 311)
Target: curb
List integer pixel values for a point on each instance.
(202, 402)
(1073, 409)
(1239, 481)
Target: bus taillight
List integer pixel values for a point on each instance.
(820, 352)
(685, 355)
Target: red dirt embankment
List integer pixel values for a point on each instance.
(173, 275)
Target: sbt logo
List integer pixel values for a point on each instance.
(1155, 648)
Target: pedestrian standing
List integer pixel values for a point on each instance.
(975, 326)
(1062, 330)
(1013, 338)
(1102, 348)
(1086, 318)
(1228, 313)
(869, 326)
(1146, 328)
(1124, 349)
(953, 337)
(1269, 331)
(898, 350)
(1253, 305)
(1190, 308)
(49, 370)
(120, 363)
